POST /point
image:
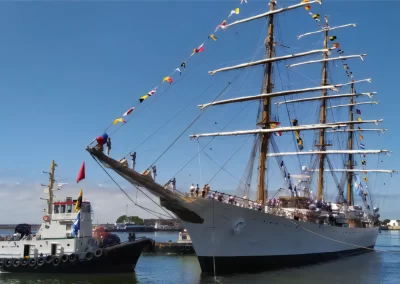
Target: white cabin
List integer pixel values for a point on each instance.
(54, 236)
(184, 237)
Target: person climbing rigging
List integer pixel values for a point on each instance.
(108, 146)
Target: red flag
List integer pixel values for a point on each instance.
(81, 174)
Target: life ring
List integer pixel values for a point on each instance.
(56, 261)
(89, 255)
(40, 261)
(64, 258)
(16, 262)
(98, 252)
(1, 263)
(72, 257)
(46, 218)
(7, 262)
(49, 259)
(24, 261)
(32, 262)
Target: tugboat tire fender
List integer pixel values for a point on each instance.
(89, 255)
(1, 263)
(98, 253)
(32, 262)
(64, 258)
(49, 259)
(16, 262)
(24, 261)
(7, 262)
(40, 261)
(72, 257)
(56, 261)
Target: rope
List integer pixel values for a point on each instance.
(151, 135)
(144, 208)
(190, 125)
(198, 149)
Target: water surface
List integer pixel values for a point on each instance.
(380, 266)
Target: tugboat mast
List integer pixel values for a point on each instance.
(51, 185)
(267, 87)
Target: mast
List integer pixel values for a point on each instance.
(266, 88)
(350, 147)
(322, 116)
(51, 184)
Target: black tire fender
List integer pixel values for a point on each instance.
(89, 255)
(64, 258)
(56, 261)
(98, 252)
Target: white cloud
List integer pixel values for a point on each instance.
(21, 201)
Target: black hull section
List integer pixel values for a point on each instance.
(120, 258)
(265, 263)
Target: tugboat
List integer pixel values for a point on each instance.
(64, 243)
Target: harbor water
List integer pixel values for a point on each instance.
(380, 266)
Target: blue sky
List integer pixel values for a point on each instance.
(68, 69)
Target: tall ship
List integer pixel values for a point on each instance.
(301, 223)
(64, 242)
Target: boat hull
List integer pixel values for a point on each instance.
(241, 239)
(120, 258)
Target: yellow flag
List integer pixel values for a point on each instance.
(359, 119)
(78, 204)
(118, 120)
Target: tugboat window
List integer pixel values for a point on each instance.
(69, 208)
(62, 209)
(56, 209)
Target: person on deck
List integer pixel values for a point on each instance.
(133, 157)
(108, 146)
(192, 190)
(197, 190)
(154, 172)
(203, 192)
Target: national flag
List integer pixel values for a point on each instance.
(168, 79)
(358, 111)
(78, 203)
(213, 37)
(102, 139)
(222, 26)
(119, 120)
(128, 111)
(178, 70)
(199, 49)
(236, 11)
(76, 225)
(81, 174)
(362, 146)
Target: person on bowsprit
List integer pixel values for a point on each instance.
(133, 157)
(154, 172)
(108, 146)
(173, 182)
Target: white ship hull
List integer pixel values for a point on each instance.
(265, 241)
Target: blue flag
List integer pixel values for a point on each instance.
(76, 225)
